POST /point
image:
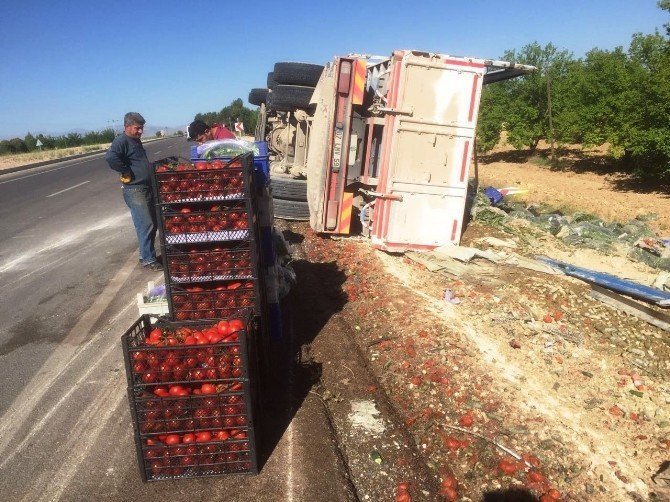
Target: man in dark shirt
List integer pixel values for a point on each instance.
(127, 156)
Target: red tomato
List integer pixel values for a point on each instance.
(452, 443)
(172, 439)
(466, 420)
(149, 377)
(554, 494)
(215, 338)
(161, 392)
(176, 390)
(508, 467)
(188, 438)
(203, 437)
(208, 388)
(221, 435)
(236, 325)
(223, 327)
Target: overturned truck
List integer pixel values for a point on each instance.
(376, 145)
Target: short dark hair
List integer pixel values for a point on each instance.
(196, 128)
(131, 118)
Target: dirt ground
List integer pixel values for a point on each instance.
(523, 386)
(604, 192)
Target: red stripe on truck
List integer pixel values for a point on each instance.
(473, 98)
(464, 163)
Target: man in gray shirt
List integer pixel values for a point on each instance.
(127, 156)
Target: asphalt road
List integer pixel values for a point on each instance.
(69, 274)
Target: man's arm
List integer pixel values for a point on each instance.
(117, 157)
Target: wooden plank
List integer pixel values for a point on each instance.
(631, 307)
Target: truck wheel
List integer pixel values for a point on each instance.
(286, 98)
(258, 96)
(297, 73)
(290, 209)
(285, 187)
(271, 80)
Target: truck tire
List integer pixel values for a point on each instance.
(258, 96)
(271, 80)
(290, 209)
(285, 187)
(286, 98)
(297, 73)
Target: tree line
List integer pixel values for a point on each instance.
(227, 116)
(617, 97)
(29, 142)
(230, 114)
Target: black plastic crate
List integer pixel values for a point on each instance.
(182, 434)
(190, 436)
(222, 299)
(211, 261)
(226, 409)
(182, 358)
(179, 180)
(235, 455)
(208, 222)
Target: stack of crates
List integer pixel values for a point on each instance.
(192, 383)
(209, 237)
(272, 324)
(191, 397)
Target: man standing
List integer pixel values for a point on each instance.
(127, 156)
(201, 132)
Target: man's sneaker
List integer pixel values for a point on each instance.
(154, 265)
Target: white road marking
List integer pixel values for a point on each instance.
(290, 484)
(65, 190)
(61, 358)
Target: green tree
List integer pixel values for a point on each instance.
(73, 139)
(520, 105)
(5, 147)
(30, 141)
(665, 5)
(623, 99)
(228, 115)
(48, 142)
(17, 145)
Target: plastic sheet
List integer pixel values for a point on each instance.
(225, 148)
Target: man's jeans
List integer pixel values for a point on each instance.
(140, 200)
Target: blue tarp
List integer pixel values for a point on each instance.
(609, 281)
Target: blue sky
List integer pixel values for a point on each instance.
(81, 64)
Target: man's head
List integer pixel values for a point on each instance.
(133, 124)
(199, 131)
